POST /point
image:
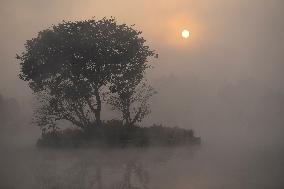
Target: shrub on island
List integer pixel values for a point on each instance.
(115, 134)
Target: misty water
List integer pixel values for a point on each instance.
(211, 165)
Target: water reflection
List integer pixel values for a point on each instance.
(210, 167)
(110, 169)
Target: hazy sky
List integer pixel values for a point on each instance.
(235, 53)
(243, 38)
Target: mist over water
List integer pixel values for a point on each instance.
(206, 167)
(226, 83)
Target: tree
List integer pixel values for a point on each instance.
(130, 92)
(67, 67)
(131, 97)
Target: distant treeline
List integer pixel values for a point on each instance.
(9, 111)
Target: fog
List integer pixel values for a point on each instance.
(225, 82)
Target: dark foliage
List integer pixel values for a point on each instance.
(72, 66)
(115, 134)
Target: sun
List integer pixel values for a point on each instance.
(185, 33)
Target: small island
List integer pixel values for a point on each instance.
(74, 68)
(115, 134)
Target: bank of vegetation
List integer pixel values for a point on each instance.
(115, 134)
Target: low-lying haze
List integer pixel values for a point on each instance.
(225, 81)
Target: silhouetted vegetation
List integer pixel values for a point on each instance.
(115, 134)
(9, 111)
(74, 67)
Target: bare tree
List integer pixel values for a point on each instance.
(132, 100)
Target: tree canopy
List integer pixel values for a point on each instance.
(69, 66)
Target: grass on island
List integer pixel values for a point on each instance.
(115, 134)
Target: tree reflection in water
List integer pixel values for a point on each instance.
(89, 173)
(133, 169)
(112, 169)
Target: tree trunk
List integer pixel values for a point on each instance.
(98, 110)
(127, 115)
